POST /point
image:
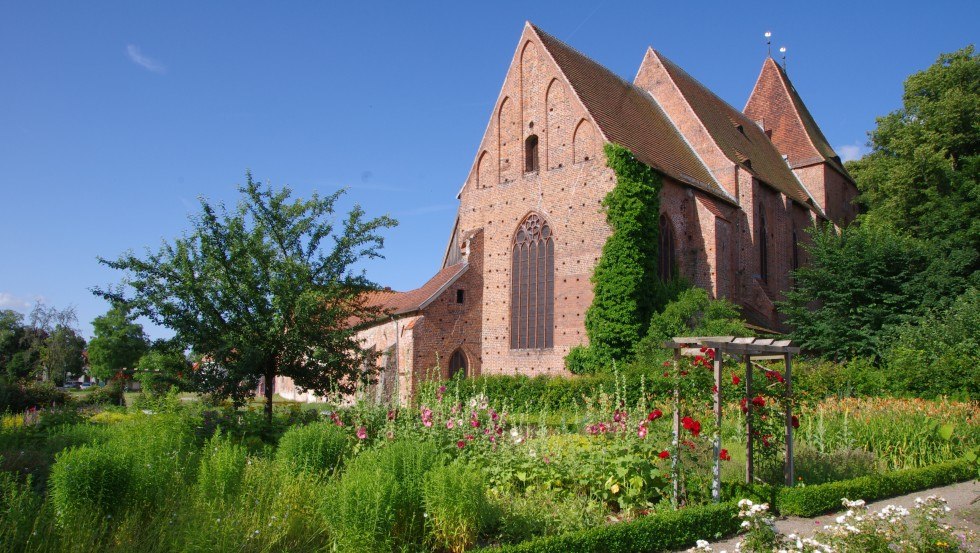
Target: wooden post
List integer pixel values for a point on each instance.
(748, 419)
(789, 421)
(675, 458)
(716, 481)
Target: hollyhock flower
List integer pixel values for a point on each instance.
(361, 433)
(666, 363)
(735, 379)
(642, 431)
(666, 374)
(664, 454)
(683, 373)
(470, 437)
(655, 414)
(450, 424)
(724, 456)
(391, 414)
(796, 421)
(460, 444)
(617, 416)
(474, 422)
(442, 389)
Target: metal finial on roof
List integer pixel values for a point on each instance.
(768, 43)
(782, 50)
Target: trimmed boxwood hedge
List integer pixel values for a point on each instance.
(661, 532)
(809, 501)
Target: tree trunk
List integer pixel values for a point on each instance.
(270, 377)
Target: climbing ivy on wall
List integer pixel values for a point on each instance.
(625, 281)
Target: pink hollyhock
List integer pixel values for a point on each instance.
(642, 431)
(361, 433)
(460, 444)
(450, 424)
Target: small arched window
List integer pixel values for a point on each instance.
(531, 154)
(667, 266)
(796, 251)
(763, 245)
(458, 364)
(532, 300)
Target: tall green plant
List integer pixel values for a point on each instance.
(625, 281)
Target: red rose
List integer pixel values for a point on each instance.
(735, 379)
(796, 421)
(744, 404)
(664, 454)
(758, 401)
(724, 456)
(655, 414)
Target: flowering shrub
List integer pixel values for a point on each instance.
(893, 529)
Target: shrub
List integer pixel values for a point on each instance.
(859, 376)
(691, 313)
(16, 396)
(812, 467)
(660, 532)
(222, 468)
(456, 506)
(19, 506)
(110, 394)
(319, 448)
(935, 355)
(377, 505)
(540, 512)
(87, 482)
(808, 501)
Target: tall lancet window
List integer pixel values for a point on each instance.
(532, 300)
(667, 267)
(763, 246)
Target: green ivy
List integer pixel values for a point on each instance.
(625, 281)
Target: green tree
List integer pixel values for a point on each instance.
(258, 294)
(860, 281)
(62, 354)
(12, 332)
(118, 342)
(162, 367)
(921, 174)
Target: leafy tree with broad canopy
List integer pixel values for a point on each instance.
(118, 342)
(264, 290)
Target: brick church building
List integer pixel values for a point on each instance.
(739, 189)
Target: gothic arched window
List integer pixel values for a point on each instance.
(532, 300)
(763, 246)
(457, 363)
(531, 154)
(667, 266)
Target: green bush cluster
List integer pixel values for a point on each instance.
(222, 469)
(666, 531)
(110, 394)
(809, 501)
(549, 393)
(89, 483)
(18, 396)
(378, 503)
(456, 506)
(319, 448)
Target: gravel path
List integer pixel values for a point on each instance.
(963, 500)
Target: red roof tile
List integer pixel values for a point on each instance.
(628, 116)
(399, 303)
(737, 135)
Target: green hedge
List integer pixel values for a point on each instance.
(809, 501)
(661, 532)
(557, 393)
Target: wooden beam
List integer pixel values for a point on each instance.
(789, 468)
(675, 457)
(716, 476)
(748, 421)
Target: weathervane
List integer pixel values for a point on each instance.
(769, 43)
(782, 50)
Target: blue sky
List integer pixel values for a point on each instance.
(116, 116)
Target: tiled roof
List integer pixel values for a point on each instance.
(628, 116)
(738, 136)
(399, 303)
(775, 100)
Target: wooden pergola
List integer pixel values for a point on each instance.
(747, 350)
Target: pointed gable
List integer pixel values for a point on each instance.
(776, 104)
(628, 116)
(735, 134)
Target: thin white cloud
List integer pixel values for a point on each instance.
(850, 152)
(137, 57)
(10, 301)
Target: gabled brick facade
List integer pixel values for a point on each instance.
(542, 156)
